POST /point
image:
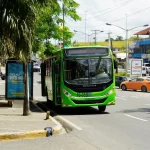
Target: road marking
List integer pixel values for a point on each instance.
(135, 96)
(135, 117)
(69, 122)
(147, 104)
(121, 98)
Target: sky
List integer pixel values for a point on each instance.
(96, 13)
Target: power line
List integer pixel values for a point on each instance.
(123, 17)
(108, 8)
(119, 18)
(111, 10)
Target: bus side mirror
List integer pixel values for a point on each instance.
(116, 66)
(56, 68)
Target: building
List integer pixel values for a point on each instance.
(142, 48)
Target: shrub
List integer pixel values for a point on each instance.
(121, 64)
(122, 74)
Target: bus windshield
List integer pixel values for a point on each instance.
(88, 70)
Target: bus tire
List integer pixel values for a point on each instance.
(102, 108)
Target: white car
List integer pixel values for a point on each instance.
(36, 68)
(144, 71)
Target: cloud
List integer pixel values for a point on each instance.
(99, 12)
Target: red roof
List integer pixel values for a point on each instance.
(143, 32)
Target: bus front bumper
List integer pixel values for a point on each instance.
(88, 101)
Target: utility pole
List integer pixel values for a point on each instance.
(85, 27)
(63, 7)
(95, 32)
(126, 45)
(109, 40)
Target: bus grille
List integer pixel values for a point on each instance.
(89, 101)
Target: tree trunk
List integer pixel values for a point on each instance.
(26, 91)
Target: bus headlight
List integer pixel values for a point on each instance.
(110, 92)
(67, 93)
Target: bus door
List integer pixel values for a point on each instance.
(56, 83)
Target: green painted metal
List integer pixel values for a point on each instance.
(70, 98)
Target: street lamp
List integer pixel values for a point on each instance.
(126, 39)
(95, 32)
(84, 34)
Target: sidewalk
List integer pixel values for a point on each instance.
(13, 125)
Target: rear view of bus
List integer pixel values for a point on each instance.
(86, 77)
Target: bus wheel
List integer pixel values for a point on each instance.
(143, 89)
(123, 87)
(102, 108)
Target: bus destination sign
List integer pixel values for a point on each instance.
(87, 52)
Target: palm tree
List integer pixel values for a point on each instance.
(17, 19)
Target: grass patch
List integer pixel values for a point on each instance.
(122, 74)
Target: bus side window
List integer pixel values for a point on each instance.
(57, 71)
(56, 68)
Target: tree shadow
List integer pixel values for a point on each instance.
(55, 110)
(35, 108)
(38, 82)
(144, 110)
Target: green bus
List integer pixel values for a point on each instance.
(80, 77)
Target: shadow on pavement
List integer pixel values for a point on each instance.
(39, 82)
(34, 108)
(70, 111)
(146, 110)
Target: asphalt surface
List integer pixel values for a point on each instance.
(125, 126)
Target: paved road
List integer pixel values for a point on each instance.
(125, 126)
(37, 87)
(2, 87)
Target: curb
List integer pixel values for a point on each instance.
(57, 130)
(29, 134)
(6, 104)
(57, 118)
(22, 135)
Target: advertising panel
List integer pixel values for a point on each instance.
(136, 66)
(15, 80)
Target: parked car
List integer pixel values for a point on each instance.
(120, 79)
(36, 68)
(147, 65)
(144, 71)
(140, 83)
(3, 76)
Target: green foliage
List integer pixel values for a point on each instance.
(119, 38)
(37, 21)
(134, 38)
(122, 64)
(49, 22)
(110, 39)
(49, 49)
(122, 74)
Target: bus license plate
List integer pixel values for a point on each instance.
(84, 94)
